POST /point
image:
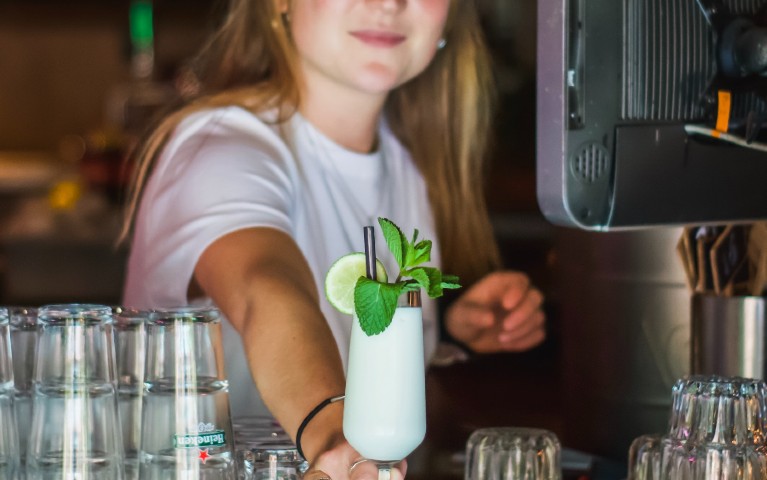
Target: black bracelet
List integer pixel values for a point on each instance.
(309, 417)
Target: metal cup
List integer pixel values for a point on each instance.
(9, 440)
(508, 453)
(186, 425)
(75, 431)
(728, 336)
(130, 354)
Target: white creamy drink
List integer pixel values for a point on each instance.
(385, 405)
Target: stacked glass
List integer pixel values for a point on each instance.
(716, 432)
(9, 442)
(24, 348)
(265, 451)
(75, 430)
(186, 430)
(83, 382)
(130, 359)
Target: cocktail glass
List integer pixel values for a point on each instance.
(385, 405)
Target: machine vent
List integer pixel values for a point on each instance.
(669, 60)
(589, 163)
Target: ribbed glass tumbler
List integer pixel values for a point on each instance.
(508, 453)
(716, 432)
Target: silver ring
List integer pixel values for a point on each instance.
(357, 463)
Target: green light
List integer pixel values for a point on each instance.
(141, 28)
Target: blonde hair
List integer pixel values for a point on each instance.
(442, 117)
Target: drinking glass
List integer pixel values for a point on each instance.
(645, 457)
(186, 425)
(130, 354)
(24, 347)
(385, 404)
(75, 431)
(509, 453)
(722, 410)
(717, 430)
(689, 461)
(256, 429)
(265, 451)
(9, 441)
(271, 460)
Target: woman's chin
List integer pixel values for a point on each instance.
(378, 78)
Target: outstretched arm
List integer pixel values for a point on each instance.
(260, 280)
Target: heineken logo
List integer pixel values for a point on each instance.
(212, 438)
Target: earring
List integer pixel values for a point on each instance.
(283, 20)
(441, 44)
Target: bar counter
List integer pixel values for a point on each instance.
(516, 389)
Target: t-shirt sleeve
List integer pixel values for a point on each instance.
(216, 175)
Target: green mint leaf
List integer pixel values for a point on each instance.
(395, 240)
(450, 282)
(420, 276)
(422, 253)
(374, 304)
(433, 280)
(417, 252)
(411, 286)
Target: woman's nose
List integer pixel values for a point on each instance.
(388, 5)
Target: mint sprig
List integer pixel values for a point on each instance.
(375, 302)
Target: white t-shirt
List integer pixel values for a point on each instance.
(226, 169)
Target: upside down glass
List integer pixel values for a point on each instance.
(24, 347)
(9, 441)
(265, 451)
(186, 428)
(385, 404)
(645, 457)
(510, 453)
(716, 432)
(75, 430)
(130, 354)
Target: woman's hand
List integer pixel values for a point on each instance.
(501, 312)
(342, 462)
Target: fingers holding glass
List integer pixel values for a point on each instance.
(364, 469)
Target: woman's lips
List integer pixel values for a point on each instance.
(378, 39)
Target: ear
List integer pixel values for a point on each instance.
(283, 6)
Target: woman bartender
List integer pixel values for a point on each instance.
(315, 117)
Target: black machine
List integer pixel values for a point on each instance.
(652, 112)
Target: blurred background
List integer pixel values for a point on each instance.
(80, 81)
(81, 78)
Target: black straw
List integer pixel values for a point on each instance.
(370, 252)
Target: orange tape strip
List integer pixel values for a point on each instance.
(723, 112)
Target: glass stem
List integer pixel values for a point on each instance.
(384, 472)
